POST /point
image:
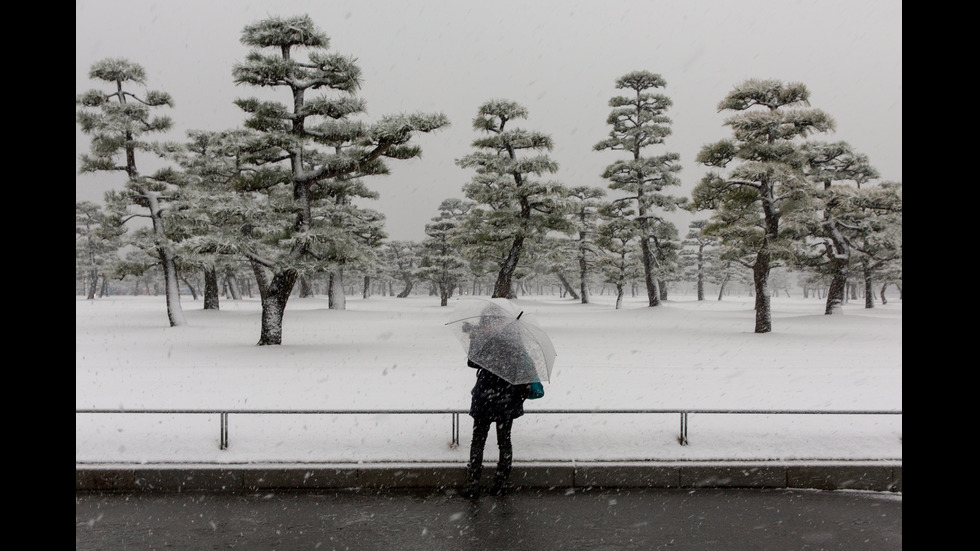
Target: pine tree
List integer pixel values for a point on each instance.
(306, 144)
(518, 206)
(441, 262)
(118, 120)
(831, 166)
(697, 256)
(766, 182)
(206, 213)
(638, 121)
(558, 256)
(874, 221)
(584, 211)
(401, 259)
(97, 244)
(353, 233)
(618, 236)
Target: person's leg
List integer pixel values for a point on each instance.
(506, 455)
(474, 469)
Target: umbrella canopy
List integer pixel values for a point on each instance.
(499, 337)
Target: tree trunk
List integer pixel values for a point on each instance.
(763, 261)
(190, 287)
(502, 287)
(838, 287)
(583, 268)
(649, 273)
(408, 288)
(305, 289)
(231, 280)
(839, 254)
(724, 282)
(337, 301)
(619, 295)
(175, 313)
(760, 277)
(274, 290)
(568, 286)
(445, 291)
(883, 299)
(210, 288)
(366, 290)
(700, 284)
(92, 283)
(869, 292)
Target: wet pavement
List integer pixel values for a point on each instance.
(729, 519)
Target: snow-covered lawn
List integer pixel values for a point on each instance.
(391, 353)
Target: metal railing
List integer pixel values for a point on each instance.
(455, 413)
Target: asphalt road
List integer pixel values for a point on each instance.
(580, 520)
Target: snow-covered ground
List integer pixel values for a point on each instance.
(391, 353)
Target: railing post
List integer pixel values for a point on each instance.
(224, 430)
(683, 437)
(455, 442)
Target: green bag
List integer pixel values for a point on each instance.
(537, 391)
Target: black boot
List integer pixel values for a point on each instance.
(472, 488)
(500, 485)
(474, 470)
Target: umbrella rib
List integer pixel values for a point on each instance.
(461, 319)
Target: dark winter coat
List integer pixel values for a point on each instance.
(494, 398)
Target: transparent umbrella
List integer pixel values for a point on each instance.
(499, 337)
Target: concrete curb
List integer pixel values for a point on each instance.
(883, 476)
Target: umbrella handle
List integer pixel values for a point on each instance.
(521, 314)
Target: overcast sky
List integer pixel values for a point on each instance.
(559, 58)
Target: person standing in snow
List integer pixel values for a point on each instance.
(494, 401)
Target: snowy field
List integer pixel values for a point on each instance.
(391, 353)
